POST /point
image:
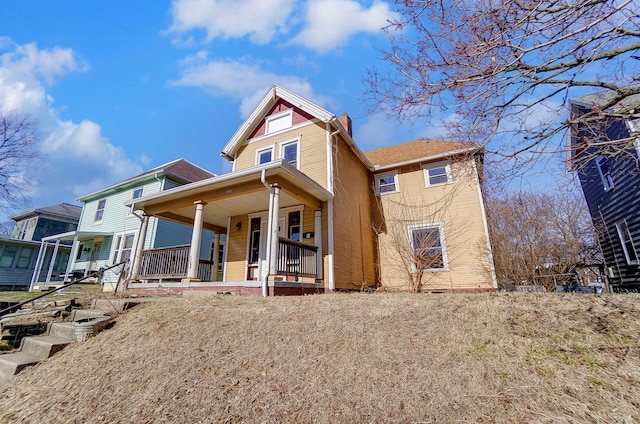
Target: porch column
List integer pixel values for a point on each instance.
(137, 257)
(42, 253)
(216, 255)
(53, 260)
(273, 230)
(72, 258)
(318, 242)
(196, 240)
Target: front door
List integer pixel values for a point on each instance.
(95, 255)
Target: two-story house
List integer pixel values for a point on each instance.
(304, 210)
(23, 251)
(606, 155)
(107, 230)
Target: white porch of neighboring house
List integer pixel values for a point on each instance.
(246, 206)
(77, 238)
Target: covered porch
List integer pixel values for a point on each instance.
(270, 219)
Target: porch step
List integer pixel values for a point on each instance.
(43, 347)
(62, 330)
(13, 363)
(79, 314)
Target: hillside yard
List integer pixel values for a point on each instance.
(503, 358)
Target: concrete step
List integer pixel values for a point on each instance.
(79, 314)
(43, 346)
(13, 363)
(63, 330)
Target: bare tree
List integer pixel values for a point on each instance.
(504, 69)
(17, 151)
(534, 234)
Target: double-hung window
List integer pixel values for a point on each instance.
(8, 255)
(627, 243)
(123, 247)
(605, 172)
(437, 174)
(387, 183)
(290, 154)
(100, 211)
(24, 258)
(427, 247)
(264, 155)
(136, 194)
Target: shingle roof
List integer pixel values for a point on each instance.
(414, 151)
(63, 210)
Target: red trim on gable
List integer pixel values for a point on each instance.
(299, 116)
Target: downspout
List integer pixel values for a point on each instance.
(265, 273)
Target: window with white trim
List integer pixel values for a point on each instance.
(123, 246)
(387, 183)
(605, 172)
(264, 155)
(289, 152)
(24, 258)
(627, 243)
(8, 255)
(437, 174)
(279, 121)
(99, 211)
(134, 195)
(427, 247)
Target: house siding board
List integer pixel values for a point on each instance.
(457, 206)
(312, 160)
(236, 266)
(170, 233)
(610, 207)
(354, 250)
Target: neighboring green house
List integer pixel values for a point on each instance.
(107, 232)
(20, 250)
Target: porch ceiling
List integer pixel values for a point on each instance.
(236, 193)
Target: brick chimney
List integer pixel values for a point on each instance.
(346, 123)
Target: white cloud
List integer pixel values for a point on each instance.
(75, 158)
(330, 23)
(260, 20)
(240, 81)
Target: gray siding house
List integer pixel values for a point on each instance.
(19, 252)
(606, 156)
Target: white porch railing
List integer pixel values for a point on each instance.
(171, 263)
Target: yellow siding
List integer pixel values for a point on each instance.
(458, 206)
(236, 266)
(313, 150)
(354, 249)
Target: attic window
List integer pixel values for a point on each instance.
(279, 121)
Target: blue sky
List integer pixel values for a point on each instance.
(118, 87)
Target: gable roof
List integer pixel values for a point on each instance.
(61, 210)
(417, 151)
(267, 102)
(602, 98)
(180, 169)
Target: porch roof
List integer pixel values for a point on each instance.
(236, 193)
(82, 235)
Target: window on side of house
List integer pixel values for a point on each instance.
(605, 172)
(437, 174)
(627, 243)
(100, 211)
(289, 153)
(8, 255)
(264, 155)
(137, 193)
(387, 183)
(279, 121)
(123, 247)
(427, 247)
(24, 258)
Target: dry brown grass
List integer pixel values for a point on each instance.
(504, 358)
